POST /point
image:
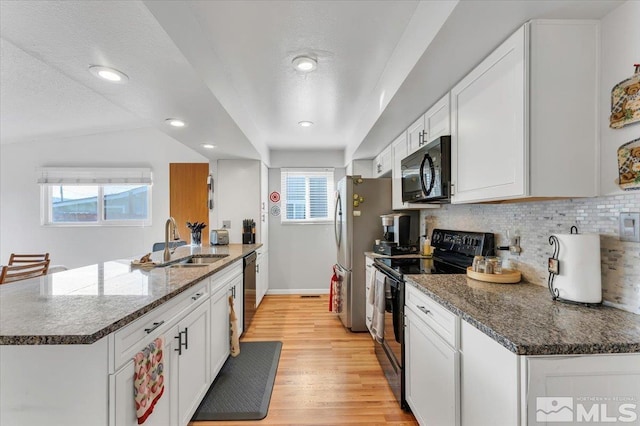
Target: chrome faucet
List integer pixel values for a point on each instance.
(169, 224)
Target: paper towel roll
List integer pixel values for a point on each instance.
(579, 278)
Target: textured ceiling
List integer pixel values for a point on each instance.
(225, 67)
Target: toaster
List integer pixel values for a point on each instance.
(219, 237)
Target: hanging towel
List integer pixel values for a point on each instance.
(148, 380)
(377, 323)
(234, 344)
(371, 300)
(332, 288)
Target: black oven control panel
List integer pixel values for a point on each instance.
(463, 242)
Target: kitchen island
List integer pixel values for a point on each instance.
(503, 353)
(67, 340)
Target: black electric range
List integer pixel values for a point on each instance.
(453, 253)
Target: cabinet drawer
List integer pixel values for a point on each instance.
(130, 339)
(441, 320)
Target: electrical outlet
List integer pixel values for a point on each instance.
(630, 227)
(226, 224)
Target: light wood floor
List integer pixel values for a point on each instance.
(326, 375)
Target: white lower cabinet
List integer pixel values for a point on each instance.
(431, 360)
(489, 384)
(431, 374)
(236, 289)
(193, 361)
(219, 330)
(262, 275)
(164, 412)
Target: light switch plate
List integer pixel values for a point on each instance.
(226, 224)
(630, 227)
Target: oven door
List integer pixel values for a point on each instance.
(426, 174)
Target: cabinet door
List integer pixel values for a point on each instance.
(262, 272)
(194, 361)
(488, 134)
(436, 120)
(219, 331)
(414, 138)
(236, 287)
(398, 152)
(489, 380)
(264, 206)
(382, 163)
(431, 375)
(124, 409)
(606, 377)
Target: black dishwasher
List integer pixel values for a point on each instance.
(249, 262)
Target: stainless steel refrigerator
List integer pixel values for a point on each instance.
(358, 205)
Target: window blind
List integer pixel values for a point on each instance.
(307, 195)
(94, 176)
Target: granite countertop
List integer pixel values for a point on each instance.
(80, 306)
(524, 319)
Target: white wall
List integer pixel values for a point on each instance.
(20, 229)
(620, 50)
(300, 256)
(237, 195)
(307, 158)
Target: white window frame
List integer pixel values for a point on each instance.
(49, 177)
(307, 172)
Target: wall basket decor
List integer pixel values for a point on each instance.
(629, 165)
(625, 101)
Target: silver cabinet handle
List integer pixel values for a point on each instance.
(197, 296)
(423, 309)
(153, 327)
(453, 186)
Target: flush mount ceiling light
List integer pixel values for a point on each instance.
(305, 123)
(109, 74)
(175, 122)
(305, 63)
(208, 146)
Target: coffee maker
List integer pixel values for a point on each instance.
(397, 236)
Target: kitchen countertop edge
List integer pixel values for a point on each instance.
(531, 349)
(15, 340)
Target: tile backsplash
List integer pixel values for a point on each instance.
(537, 220)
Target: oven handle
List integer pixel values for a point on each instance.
(394, 280)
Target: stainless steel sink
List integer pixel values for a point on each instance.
(205, 258)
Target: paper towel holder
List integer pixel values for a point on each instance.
(553, 267)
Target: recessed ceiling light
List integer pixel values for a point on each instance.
(305, 123)
(305, 63)
(208, 146)
(110, 74)
(175, 122)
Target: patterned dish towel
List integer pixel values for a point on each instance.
(148, 380)
(234, 338)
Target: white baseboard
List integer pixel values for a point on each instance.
(276, 291)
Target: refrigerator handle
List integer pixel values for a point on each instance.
(337, 223)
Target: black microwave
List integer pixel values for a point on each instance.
(426, 174)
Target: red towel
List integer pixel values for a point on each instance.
(148, 379)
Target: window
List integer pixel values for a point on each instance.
(104, 196)
(307, 195)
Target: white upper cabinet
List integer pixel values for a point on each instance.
(414, 135)
(527, 115)
(431, 125)
(437, 120)
(382, 163)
